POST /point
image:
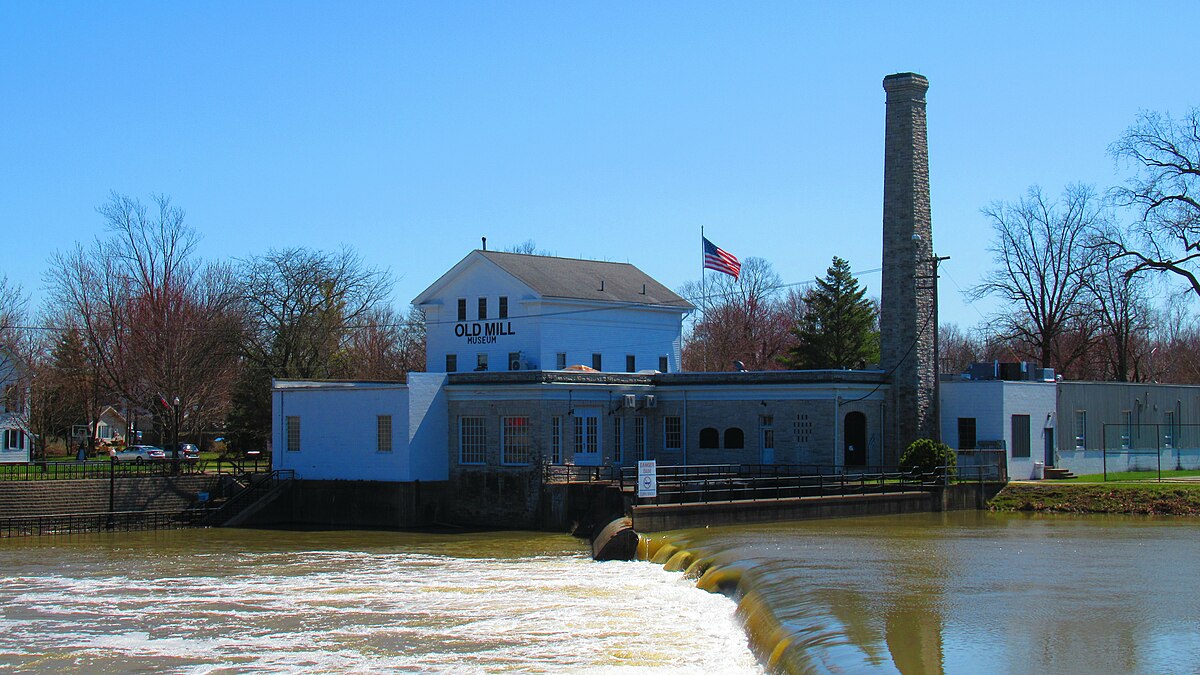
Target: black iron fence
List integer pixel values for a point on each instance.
(684, 485)
(732, 482)
(108, 521)
(104, 469)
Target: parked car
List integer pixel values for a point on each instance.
(188, 452)
(141, 453)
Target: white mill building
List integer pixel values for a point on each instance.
(612, 394)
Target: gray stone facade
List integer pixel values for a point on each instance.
(907, 319)
(806, 416)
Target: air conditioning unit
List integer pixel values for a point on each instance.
(629, 401)
(651, 402)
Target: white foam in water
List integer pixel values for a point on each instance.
(323, 611)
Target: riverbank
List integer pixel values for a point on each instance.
(1174, 499)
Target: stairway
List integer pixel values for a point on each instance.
(1052, 473)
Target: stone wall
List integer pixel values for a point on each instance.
(53, 497)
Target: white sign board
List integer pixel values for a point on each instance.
(647, 484)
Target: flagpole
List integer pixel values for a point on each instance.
(703, 299)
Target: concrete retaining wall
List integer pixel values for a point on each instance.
(658, 518)
(355, 504)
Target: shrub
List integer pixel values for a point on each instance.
(926, 456)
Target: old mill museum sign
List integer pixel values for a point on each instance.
(483, 332)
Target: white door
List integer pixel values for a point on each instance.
(587, 437)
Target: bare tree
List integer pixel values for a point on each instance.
(1165, 191)
(301, 311)
(159, 322)
(12, 313)
(385, 346)
(13, 335)
(1121, 311)
(748, 319)
(1043, 262)
(299, 306)
(958, 349)
(528, 247)
(1174, 354)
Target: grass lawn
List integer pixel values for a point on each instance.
(1081, 497)
(1138, 476)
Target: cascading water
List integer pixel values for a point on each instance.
(253, 601)
(954, 592)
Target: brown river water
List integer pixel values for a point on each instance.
(960, 592)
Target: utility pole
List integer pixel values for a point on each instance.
(934, 261)
(175, 436)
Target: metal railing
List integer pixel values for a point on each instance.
(571, 473)
(257, 487)
(685, 489)
(104, 469)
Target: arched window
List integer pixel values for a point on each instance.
(734, 439)
(710, 438)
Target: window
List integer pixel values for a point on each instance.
(1169, 429)
(556, 440)
(630, 366)
(462, 309)
(735, 439)
(503, 309)
(514, 360)
(451, 363)
(586, 429)
(481, 361)
(14, 439)
(472, 440)
(383, 432)
(966, 433)
(596, 362)
(672, 433)
(482, 309)
(293, 434)
(662, 364)
(768, 432)
(1020, 436)
(639, 437)
(1126, 428)
(560, 360)
(514, 441)
(709, 438)
(619, 439)
(1080, 429)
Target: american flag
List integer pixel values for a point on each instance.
(716, 259)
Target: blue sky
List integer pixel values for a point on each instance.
(604, 130)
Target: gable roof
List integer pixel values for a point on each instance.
(576, 279)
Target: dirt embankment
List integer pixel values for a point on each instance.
(1150, 499)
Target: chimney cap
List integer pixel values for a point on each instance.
(897, 81)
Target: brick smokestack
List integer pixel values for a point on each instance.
(907, 320)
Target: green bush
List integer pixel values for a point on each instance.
(926, 456)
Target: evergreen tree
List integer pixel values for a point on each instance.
(838, 328)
